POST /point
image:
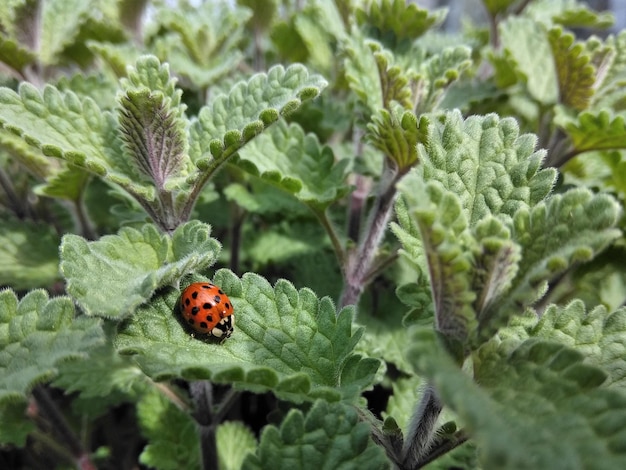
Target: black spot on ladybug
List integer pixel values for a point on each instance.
(227, 305)
(203, 325)
(209, 318)
(187, 301)
(220, 291)
(217, 299)
(206, 286)
(194, 295)
(195, 310)
(207, 306)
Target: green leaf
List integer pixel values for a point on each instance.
(15, 428)
(62, 125)
(296, 162)
(598, 335)
(110, 277)
(405, 394)
(234, 442)
(330, 436)
(497, 6)
(285, 341)
(583, 17)
(173, 442)
(485, 162)
(597, 131)
(527, 396)
(611, 59)
(362, 70)
(230, 121)
(28, 255)
(68, 183)
(14, 54)
(528, 44)
(405, 21)
(36, 336)
(565, 229)
(575, 74)
(152, 123)
(397, 135)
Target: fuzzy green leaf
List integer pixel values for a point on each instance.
(330, 436)
(583, 17)
(528, 44)
(234, 442)
(285, 341)
(152, 122)
(15, 429)
(405, 21)
(28, 255)
(597, 131)
(110, 277)
(296, 162)
(575, 74)
(172, 438)
(611, 59)
(69, 183)
(62, 125)
(486, 162)
(565, 229)
(36, 336)
(439, 223)
(599, 335)
(527, 396)
(362, 70)
(223, 126)
(397, 135)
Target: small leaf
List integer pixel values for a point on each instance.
(575, 74)
(234, 442)
(36, 336)
(397, 135)
(14, 54)
(285, 341)
(597, 131)
(110, 277)
(152, 122)
(172, 438)
(15, 428)
(28, 255)
(68, 183)
(330, 436)
(296, 162)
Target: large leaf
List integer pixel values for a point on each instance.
(110, 277)
(296, 162)
(285, 341)
(527, 396)
(36, 336)
(329, 437)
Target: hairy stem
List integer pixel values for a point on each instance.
(421, 430)
(322, 216)
(49, 409)
(360, 261)
(445, 446)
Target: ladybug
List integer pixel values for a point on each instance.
(208, 310)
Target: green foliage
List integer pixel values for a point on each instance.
(112, 276)
(234, 441)
(599, 131)
(171, 433)
(28, 255)
(530, 394)
(286, 341)
(37, 334)
(328, 437)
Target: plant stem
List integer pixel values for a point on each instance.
(322, 216)
(202, 395)
(421, 429)
(360, 261)
(444, 447)
(50, 410)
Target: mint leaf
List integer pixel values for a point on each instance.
(297, 163)
(110, 277)
(597, 131)
(14, 54)
(230, 121)
(528, 395)
(234, 442)
(484, 161)
(331, 436)
(152, 122)
(68, 183)
(172, 437)
(527, 43)
(396, 133)
(36, 336)
(285, 341)
(28, 255)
